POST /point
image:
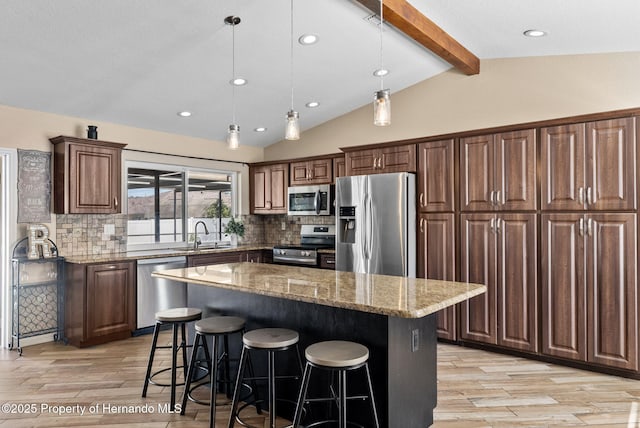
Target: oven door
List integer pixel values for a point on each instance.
(310, 200)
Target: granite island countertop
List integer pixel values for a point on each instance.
(380, 294)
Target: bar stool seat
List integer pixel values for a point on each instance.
(337, 356)
(177, 318)
(218, 326)
(270, 340)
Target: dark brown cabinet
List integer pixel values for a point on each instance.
(589, 291)
(314, 171)
(436, 176)
(499, 250)
(339, 167)
(268, 184)
(86, 176)
(327, 261)
(498, 172)
(381, 160)
(100, 302)
(252, 256)
(589, 166)
(437, 260)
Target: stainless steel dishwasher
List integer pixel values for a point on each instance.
(157, 294)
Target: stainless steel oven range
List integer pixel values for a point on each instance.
(312, 238)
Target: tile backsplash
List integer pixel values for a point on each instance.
(91, 234)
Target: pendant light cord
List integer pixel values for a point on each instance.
(233, 70)
(291, 53)
(381, 53)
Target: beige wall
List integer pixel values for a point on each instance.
(506, 92)
(28, 129)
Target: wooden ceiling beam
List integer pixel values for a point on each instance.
(414, 24)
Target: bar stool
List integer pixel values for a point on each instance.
(217, 327)
(271, 340)
(337, 356)
(177, 318)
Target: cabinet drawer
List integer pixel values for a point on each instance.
(327, 261)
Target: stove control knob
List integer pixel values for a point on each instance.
(306, 253)
(283, 252)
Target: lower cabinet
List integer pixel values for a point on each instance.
(437, 260)
(100, 303)
(499, 250)
(327, 261)
(589, 293)
(252, 256)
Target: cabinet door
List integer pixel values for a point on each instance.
(563, 293)
(515, 178)
(94, 179)
(269, 189)
(435, 176)
(252, 256)
(611, 165)
(611, 290)
(279, 182)
(476, 173)
(339, 168)
(562, 163)
(361, 162)
(260, 189)
(436, 260)
(216, 258)
(517, 281)
(398, 158)
(320, 171)
(110, 295)
(299, 173)
(477, 253)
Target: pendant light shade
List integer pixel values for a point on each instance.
(382, 108)
(233, 137)
(292, 131)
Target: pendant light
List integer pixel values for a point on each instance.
(233, 134)
(292, 131)
(382, 98)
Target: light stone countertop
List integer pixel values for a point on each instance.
(380, 294)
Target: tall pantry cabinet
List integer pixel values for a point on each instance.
(589, 242)
(498, 245)
(436, 224)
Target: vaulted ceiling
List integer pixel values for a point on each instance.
(139, 63)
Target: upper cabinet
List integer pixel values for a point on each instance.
(314, 171)
(339, 167)
(381, 160)
(498, 172)
(436, 176)
(268, 185)
(589, 166)
(86, 176)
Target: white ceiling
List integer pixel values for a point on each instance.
(139, 62)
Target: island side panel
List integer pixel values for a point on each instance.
(412, 371)
(393, 371)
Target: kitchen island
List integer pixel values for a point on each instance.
(393, 316)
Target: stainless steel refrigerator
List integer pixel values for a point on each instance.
(375, 224)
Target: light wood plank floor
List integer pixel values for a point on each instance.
(476, 389)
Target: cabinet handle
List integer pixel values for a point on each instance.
(268, 205)
(498, 225)
(590, 198)
(581, 227)
(115, 201)
(590, 227)
(375, 160)
(110, 267)
(492, 225)
(330, 262)
(581, 195)
(422, 199)
(422, 225)
(491, 201)
(498, 201)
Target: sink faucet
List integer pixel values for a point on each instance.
(196, 239)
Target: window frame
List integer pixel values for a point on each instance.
(186, 170)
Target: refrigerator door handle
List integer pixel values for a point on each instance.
(365, 218)
(370, 229)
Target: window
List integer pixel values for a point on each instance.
(164, 203)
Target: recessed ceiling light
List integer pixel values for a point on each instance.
(312, 104)
(535, 33)
(238, 81)
(381, 72)
(260, 129)
(184, 113)
(308, 39)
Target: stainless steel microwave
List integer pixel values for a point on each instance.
(311, 200)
